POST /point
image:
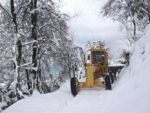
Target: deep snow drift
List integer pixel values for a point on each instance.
(130, 93)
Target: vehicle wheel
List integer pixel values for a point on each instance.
(74, 86)
(114, 75)
(111, 77)
(108, 82)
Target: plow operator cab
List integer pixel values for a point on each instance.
(96, 69)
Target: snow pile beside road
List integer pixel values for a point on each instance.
(130, 93)
(42, 103)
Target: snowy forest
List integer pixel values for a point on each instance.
(38, 54)
(34, 35)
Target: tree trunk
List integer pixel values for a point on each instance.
(149, 16)
(134, 29)
(29, 82)
(34, 37)
(18, 49)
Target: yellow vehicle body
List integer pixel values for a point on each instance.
(95, 70)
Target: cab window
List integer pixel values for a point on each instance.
(98, 56)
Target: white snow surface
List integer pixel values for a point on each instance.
(130, 94)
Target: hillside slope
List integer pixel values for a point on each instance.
(130, 93)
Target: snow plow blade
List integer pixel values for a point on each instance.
(114, 69)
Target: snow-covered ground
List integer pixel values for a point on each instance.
(130, 93)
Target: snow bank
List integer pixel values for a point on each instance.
(42, 103)
(129, 95)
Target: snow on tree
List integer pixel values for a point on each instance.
(33, 35)
(134, 15)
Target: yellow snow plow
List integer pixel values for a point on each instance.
(97, 72)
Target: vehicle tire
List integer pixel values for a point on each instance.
(112, 77)
(108, 82)
(119, 70)
(115, 75)
(74, 86)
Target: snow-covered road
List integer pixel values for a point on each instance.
(87, 101)
(61, 101)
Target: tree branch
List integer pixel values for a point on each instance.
(5, 11)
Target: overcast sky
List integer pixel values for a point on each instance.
(89, 24)
(2, 1)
